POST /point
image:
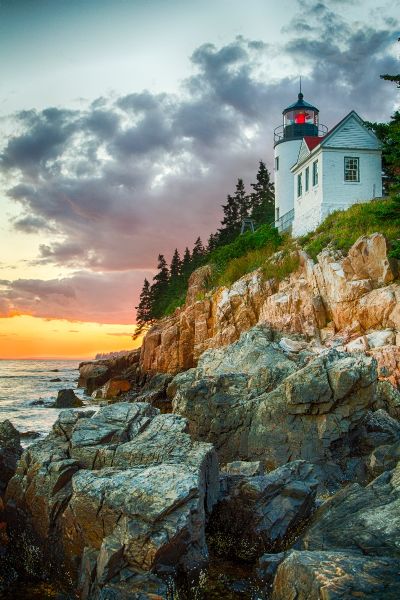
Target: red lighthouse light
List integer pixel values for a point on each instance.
(300, 118)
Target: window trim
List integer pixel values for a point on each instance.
(299, 185)
(315, 173)
(345, 170)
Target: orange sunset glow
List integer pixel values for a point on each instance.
(30, 337)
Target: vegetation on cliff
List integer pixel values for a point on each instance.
(233, 255)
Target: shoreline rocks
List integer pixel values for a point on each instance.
(125, 488)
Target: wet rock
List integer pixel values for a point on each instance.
(127, 491)
(55, 380)
(10, 452)
(268, 564)
(262, 513)
(240, 467)
(330, 574)
(114, 388)
(32, 435)
(371, 516)
(376, 429)
(351, 547)
(154, 391)
(93, 375)
(67, 399)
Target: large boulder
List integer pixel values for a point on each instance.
(93, 375)
(259, 514)
(10, 452)
(67, 399)
(334, 575)
(119, 493)
(254, 401)
(351, 548)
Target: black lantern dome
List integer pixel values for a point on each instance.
(300, 119)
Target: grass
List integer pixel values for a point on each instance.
(343, 228)
(275, 254)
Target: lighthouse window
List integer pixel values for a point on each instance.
(351, 168)
(315, 173)
(277, 163)
(307, 177)
(299, 185)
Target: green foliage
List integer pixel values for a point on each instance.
(389, 135)
(264, 235)
(262, 199)
(343, 228)
(243, 255)
(281, 267)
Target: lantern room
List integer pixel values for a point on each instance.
(299, 119)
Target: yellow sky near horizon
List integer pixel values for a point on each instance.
(24, 336)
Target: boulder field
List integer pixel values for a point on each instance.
(259, 427)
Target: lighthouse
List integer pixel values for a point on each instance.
(300, 120)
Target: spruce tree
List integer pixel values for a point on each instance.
(197, 253)
(212, 242)
(159, 288)
(242, 200)
(262, 199)
(230, 221)
(175, 266)
(186, 262)
(144, 316)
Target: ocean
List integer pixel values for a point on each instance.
(23, 382)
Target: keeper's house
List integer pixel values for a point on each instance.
(332, 169)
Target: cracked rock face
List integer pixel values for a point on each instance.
(262, 513)
(348, 295)
(10, 451)
(121, 492)
(255, 403)
(351, 548)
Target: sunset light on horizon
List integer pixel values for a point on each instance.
(31, 337)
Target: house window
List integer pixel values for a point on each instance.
(299, 186)
(315, 173)
(307, 178)
(277, 163)
(351, 168)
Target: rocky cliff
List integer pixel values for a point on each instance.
(334, 301)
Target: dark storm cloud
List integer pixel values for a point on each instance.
(124, 179)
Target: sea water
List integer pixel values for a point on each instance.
(23, 382)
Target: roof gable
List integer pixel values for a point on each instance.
(351, 132)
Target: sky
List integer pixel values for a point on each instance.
(125, 123)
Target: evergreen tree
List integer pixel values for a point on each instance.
(262, 199)
(144, 316)
(197, 254)
(242, 200)
(198, 250)
(186, 262)
(159, 288)
(236, 209)
(212, 242)
(175, 267)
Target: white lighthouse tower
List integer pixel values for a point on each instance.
(299, 120)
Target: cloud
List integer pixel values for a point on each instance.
(121, 334)
(111, 185)
(102, 298)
